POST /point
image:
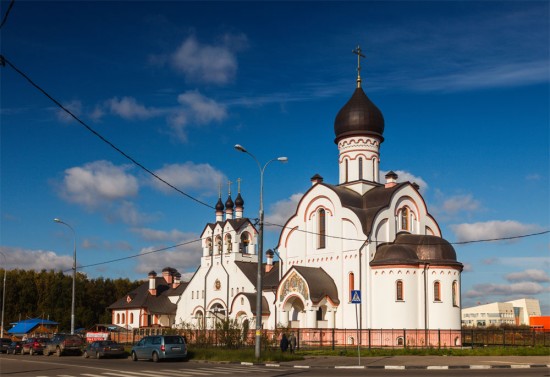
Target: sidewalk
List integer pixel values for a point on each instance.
(421, 362)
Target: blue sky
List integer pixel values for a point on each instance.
(463, 86)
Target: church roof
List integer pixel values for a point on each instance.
(141, 298)
(359, 116)
(319, 282)
(251, 297)
(414, 249)
(366, 206)
(236, 224)
(250, 270)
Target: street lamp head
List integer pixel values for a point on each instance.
(57, 220)
(282, 159)
(239, 147)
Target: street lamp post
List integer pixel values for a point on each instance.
(260, 248)
(74, 271)
(3, 294)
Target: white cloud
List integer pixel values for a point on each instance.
(37, 260)
(281, 211)
(74, 107)
(195, 109)
(215, 64)
(98, 182)
(460, 203)
(516, 289)
(189, 176)
(162, 236)
(129, 108)
(183, 258)
(539, 276)
(491, 230)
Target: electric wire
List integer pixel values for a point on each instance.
(101, 137)
(5, 18)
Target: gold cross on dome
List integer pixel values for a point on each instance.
(229, 185)
(357, 52)
(239, 185)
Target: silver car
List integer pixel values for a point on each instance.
(159, 347)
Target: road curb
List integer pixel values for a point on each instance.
(401, 367)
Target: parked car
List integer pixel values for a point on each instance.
(160, 347)
(104, 348)
(15, 348)
(64, 344)
(34, 346)
(4, 343)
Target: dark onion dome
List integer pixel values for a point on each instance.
(219, 205)
(359, 116)
(152, 273)
(229, 203)
(239, 202)
(414, 248)
(270, 253)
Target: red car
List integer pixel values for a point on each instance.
(34, 346)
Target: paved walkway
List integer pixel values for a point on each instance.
(422, 362)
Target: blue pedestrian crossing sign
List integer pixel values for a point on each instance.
(355, 297)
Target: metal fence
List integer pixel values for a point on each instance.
(366, 338)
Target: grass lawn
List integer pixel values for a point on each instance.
(247, 354)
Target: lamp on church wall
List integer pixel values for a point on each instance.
(260, 247)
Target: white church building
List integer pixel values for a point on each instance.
(359, 234)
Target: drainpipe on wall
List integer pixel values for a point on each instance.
(206, 277)
(426, 267)
(361, 288)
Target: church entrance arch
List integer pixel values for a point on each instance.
(295, 308)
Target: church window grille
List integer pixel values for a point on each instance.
(322, 229)
(351, 278)
(437, 291)
(203, 293)
(399, 290)
(455, 293)
(360, 168)
(232, 292)
(192, 295)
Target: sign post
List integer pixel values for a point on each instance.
(356, 299)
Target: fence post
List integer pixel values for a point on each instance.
(438, 339)
(333, 338)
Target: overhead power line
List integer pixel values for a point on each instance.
(452, 243)
(5, 18)
(3, 61)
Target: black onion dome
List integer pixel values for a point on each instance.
(229, 203)
(239, 202)
(359, 116)
(219, 205)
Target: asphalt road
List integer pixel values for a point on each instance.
(74, 366)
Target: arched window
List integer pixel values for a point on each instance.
(360, 167)
(346, 170)
(245, 240)
(455, 293)
(351, 279)
(405, 218)
(437, 291)
(320, 314)
(131, 317)
(219, 245)
(322, 229)
(118, 318)
(399, 290)
(192, 295)
(228, 243)
(209, 245)
(123, 318)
